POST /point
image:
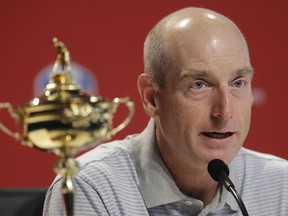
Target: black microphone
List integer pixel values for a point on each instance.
(219, 171)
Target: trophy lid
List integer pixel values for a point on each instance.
(61, 86)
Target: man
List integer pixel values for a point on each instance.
(197, 90)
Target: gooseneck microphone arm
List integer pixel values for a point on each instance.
(219, 171)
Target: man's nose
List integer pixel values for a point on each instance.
(222, 104)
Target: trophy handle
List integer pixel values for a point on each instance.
(131, 108)
(14, 115)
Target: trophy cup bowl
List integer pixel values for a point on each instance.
(64, 120)
(67, 122)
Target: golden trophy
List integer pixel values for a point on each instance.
(64, 120)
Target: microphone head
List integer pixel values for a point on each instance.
(216, 166)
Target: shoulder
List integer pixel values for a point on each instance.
(105, 160)
(261, 180)
(105, 177)
(112, 155)
(113, 150)
(261, 163)
(263, 157)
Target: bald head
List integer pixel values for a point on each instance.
(193, 33)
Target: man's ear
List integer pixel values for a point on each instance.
(146, 89)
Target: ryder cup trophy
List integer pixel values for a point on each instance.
(65, 120)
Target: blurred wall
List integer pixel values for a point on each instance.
(107, 38)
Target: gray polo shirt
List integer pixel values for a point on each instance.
(128, 177)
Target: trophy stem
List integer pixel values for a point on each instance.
(68, 195)
(67, 166)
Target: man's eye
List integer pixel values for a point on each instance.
(198, 85)
(239, 83)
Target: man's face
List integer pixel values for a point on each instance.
(204, 109)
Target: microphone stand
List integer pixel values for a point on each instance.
(219, 171)
(231, 188)
(239, 201)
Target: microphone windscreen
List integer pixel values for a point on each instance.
(215, 166)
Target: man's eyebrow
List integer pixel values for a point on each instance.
(202, 73)
(245, 71)
(192, 73)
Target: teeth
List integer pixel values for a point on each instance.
(217, 135)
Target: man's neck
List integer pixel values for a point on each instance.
(193, 181)
(195, 186)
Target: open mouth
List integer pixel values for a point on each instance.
(216, 135)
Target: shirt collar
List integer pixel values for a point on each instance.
(156, 185)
